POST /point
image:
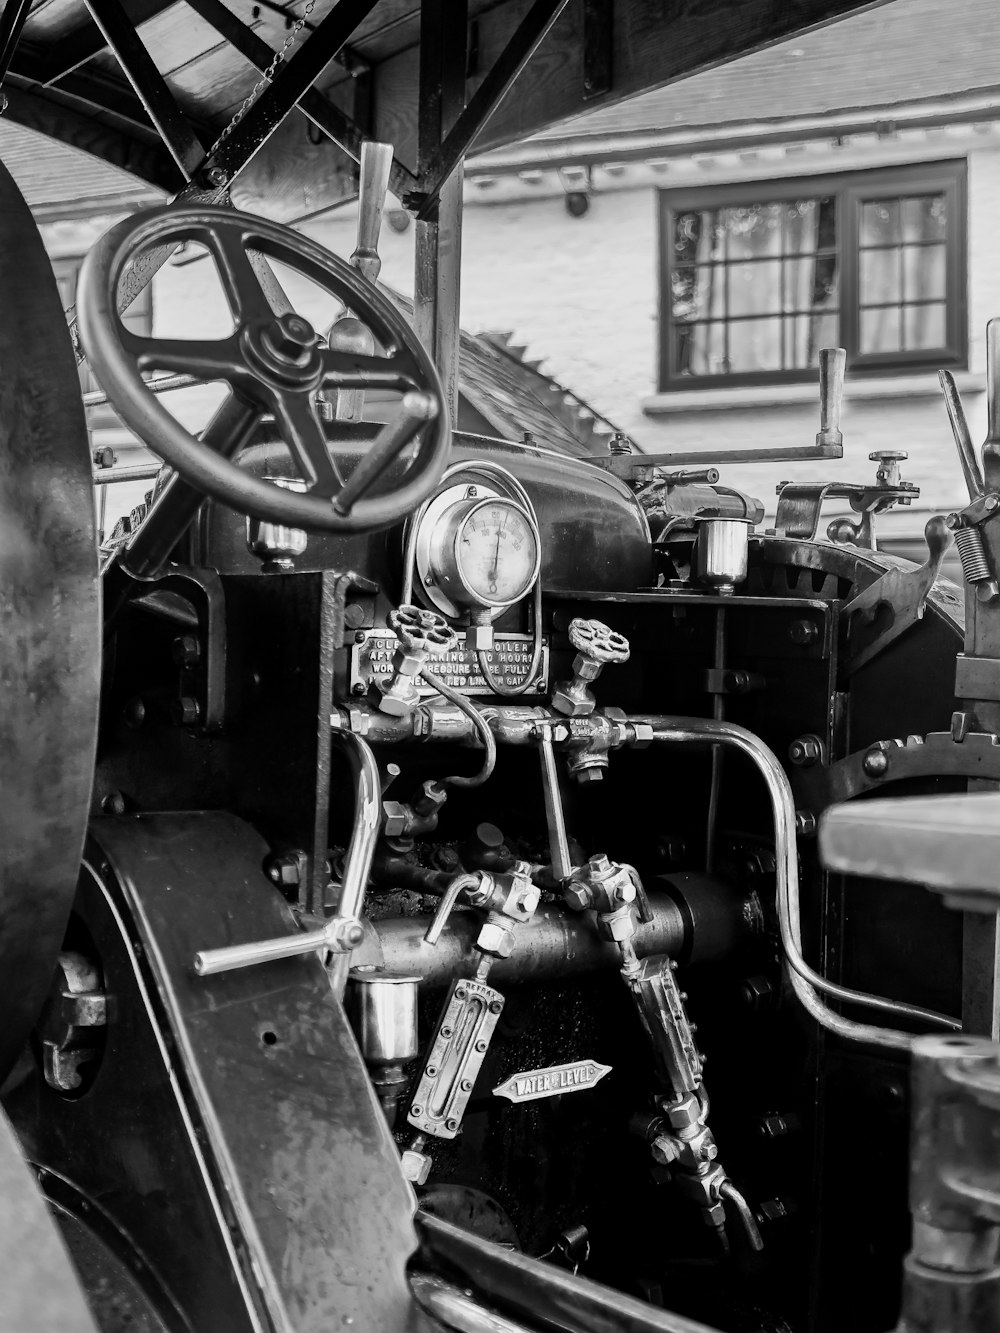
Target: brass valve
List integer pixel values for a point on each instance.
(596, 647)
(421, 634)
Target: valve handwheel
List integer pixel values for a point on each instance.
(274, 364)
(598, 641)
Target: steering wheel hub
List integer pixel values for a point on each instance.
(287, 350)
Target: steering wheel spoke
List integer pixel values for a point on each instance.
(244, 293)
(303, 432)
(359, 370)
(213, 359)
(275, 363)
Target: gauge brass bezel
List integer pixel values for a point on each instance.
(485, 602)
(436, 558)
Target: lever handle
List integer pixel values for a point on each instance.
(447, 904)
(960, 430)
(832, 363)
(376, 163)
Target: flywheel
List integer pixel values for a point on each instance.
(50, 629)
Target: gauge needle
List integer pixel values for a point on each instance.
(496, 559)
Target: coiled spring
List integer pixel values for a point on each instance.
(972, 553)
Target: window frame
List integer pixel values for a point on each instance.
(850, 190)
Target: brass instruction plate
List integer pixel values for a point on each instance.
(509, 660)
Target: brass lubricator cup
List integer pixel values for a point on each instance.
(720, 553)
(382, 1007)
(272, 543)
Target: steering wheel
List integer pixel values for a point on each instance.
(274, 362)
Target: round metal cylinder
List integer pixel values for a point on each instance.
(383, 1011)
(720, 553)
(273, 541)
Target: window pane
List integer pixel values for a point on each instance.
(925, 218)
(879, 280)
(806, 335)
(923, 327)
(755, 289)
(923, 273)
(880, 222)
(810, 224)
(698, 237)
(880, 330)
(811, 283)
(698, 293)
(754, 231)
(700, 349)
(754, 344)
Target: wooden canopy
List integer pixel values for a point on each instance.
(150, 85)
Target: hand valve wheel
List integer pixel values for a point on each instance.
(274, 364)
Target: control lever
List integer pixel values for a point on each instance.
(832, 364)
(991, 446)
(349, 334)
(960, 430)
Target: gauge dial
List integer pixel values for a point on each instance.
(496, 552)
(475, 551)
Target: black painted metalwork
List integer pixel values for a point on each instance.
(79, 47)
(297, 75)
(50, 612)
(323, 113)
(487, 97)
(173, 126)
(12, 19)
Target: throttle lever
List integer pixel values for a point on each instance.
(447, 905)
(960, 430)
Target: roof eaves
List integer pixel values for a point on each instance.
(579, 149)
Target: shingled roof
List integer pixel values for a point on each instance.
(61, 182)
(903, 52)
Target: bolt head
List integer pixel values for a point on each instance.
(184, 712)
(875, 763)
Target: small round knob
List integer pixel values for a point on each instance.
(888, 456)
(597, 641)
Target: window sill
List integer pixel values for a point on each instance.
(782, 395)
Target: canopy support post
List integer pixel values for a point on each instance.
(438, 261)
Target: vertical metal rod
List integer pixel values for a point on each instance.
(960, 430)
(562, 865)
(991, 447)
(376, 163)
(718, 714)
(437, 276)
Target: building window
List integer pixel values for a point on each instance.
(758, 278)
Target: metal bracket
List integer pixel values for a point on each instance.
(904, 592)
(799, 506)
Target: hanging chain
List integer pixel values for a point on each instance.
(266, 77)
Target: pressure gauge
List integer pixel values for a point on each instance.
(475, 551)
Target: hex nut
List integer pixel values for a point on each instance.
(590, 773)
(479, 638)
(619, 925)
(577, 897)
(398, 696)
(416, 1166)
(395, 818)
(496, 940)
(571, 704)
(665, 1150)
(806, 751)
(585, 668)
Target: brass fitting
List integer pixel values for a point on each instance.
(421, 635)
(597, 646)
